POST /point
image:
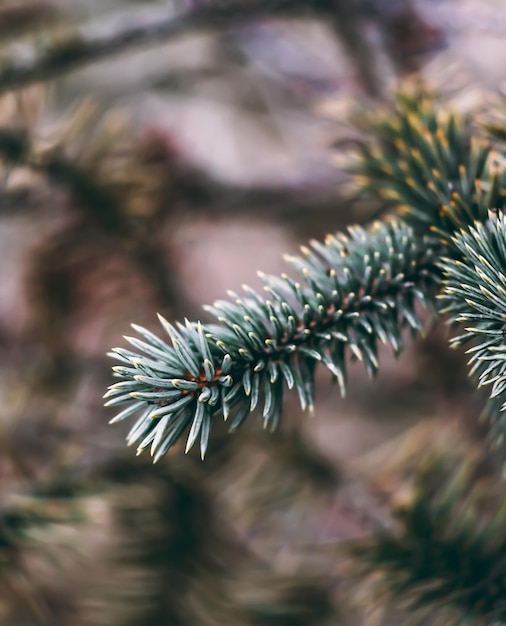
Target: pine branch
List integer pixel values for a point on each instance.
(475, 294)
(429, 167)
(443, 182)
(355, 291)
(440, 179)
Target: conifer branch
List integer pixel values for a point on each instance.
(475, 294)
(444, 181)
(429, 166)
(354, 292)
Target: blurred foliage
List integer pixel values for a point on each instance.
(444, 557)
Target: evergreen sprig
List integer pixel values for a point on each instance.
(442, 173)
(354, 291)
(429, 166)
(475, 294)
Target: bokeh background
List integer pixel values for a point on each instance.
(155, 179)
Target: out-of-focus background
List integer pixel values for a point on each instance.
(154, 155)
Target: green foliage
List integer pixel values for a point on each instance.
(442, 177)
(443, 173)
(475, 294)
(354, 292)
(425, 161)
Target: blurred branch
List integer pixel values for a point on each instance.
(285, 203)
(296, 205)
(194, 190)
(57, 54)
(345, 20)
